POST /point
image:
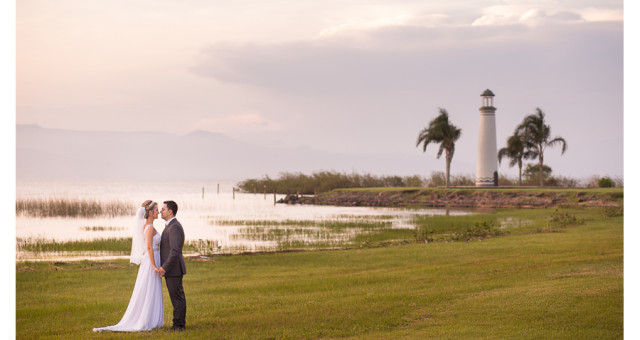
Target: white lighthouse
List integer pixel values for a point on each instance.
(487, 166)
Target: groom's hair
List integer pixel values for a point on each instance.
(171, 205)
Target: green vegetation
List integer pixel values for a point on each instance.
(515, 150)
(528, 285)
(441, 131)
(536, 135)
(36, 244)
(60, 207)
(500, 222)
(606, 182)
(367, 222)
(292, 183)
(472, 197)
(362, 232)
(319, 182)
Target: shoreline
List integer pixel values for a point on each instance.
(467, 197)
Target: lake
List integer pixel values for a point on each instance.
(208, 210)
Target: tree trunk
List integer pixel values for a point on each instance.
(446, 181)
(519, 173)
(540, 164)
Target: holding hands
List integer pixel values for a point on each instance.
(160, 271)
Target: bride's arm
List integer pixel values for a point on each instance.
(149, 240)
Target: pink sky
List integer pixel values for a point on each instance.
(347, 76)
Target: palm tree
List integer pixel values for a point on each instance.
(515, 150)
(537, 137)
(443, 132)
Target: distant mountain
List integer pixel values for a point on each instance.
(43, 153)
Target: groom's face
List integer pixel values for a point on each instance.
(165, 213)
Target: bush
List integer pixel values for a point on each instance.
(559, 220)
(606, 182)
(477, 231)
(299, 183)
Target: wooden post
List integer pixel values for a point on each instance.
(202, 197)
(218, 188)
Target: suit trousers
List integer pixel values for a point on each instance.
(178, 300)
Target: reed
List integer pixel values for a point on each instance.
(286, 234)
(115, 245)
(101, 228)
(62, 207)
(263, 222)
(38, 244)
(204, 247)
(333, 224)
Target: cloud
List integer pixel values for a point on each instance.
(602, 14)
(358, 25)
(404, 58)
(373, 92)
(512, 15)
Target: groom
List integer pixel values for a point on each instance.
(173, 267)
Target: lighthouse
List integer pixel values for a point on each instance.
(487, 165)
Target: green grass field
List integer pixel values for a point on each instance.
(563, 284)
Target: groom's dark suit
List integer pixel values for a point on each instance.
(171, 243)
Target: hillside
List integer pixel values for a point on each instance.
(43, 153)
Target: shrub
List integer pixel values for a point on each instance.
(561, 220)
(478, 230)
(606, 182)
(323, 181)
(423, 233)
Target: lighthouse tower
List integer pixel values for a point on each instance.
(487, 166)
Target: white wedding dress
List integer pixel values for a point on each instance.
(146, 309)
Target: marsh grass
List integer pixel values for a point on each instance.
(60, 207)
(565, 285)
(101, 228)
(499, 222)
(38, 244)
(264, 222)
(349, 234)
(277, 234)
(309, 234)
(204, 247)
(333, 224)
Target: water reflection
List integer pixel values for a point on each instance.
(213, 222)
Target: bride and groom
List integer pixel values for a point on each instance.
(158, 256)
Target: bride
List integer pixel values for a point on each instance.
(146, 309)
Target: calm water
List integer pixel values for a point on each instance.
(202, 216)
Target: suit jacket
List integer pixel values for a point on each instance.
(171, 243)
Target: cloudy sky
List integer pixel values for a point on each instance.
(339, 76)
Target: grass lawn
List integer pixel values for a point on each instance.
(566, 284)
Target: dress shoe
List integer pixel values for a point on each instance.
(177, 328)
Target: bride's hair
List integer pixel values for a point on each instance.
(148, 205)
